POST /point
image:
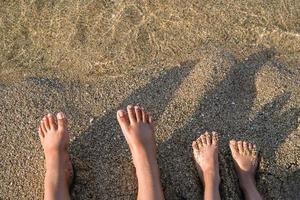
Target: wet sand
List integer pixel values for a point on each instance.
(233, 68)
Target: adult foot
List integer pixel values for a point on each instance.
(245, 162)
(137, 127)
(55, 141)
(205, 150)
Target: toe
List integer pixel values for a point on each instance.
(51, 121)
(215, 138)
(240, 146)
(208, 138)
(150, 119)
(138, 113)
(145, 116)
(245, 145)
(199, 142)
(233, 146)
(46, 123)
(203, 139)
(195, 146)
(254, 151)
(123, 119)
(41, 134)
(131, 114)
(250, 146)
(61, 121)
(43, 127)
(151, 123)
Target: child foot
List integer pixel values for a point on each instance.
(55, 141)
(205, 150)
(245, 162)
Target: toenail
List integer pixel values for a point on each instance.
(121, 113)
(60, 115)
(136, 107)
(49, 115)
(129, 106)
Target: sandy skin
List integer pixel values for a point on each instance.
(205, 150)
(137, 127)
(244, 155)
(55, 141)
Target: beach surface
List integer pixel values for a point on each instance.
(196, 66)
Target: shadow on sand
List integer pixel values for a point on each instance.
(101, 155)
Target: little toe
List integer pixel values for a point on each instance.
(150, 119)
(151, 123)
(138, 113)
(43, 127)
(254, 151)
(51, 121)
(131, 114)
(41, 134)
(61, 121)
(240, 147)
(123, 119)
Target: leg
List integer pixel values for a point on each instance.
(55, 140)
(245, 162)
(205, 150)
(137, 128)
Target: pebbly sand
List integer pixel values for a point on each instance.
(231, 67)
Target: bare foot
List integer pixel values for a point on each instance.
(205, 150)
(55, 141)
(245, 161)
(137, 127)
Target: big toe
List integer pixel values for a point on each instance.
(123, 119)
(233, 147)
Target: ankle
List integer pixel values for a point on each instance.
(50, 153)
(54, 160)
(211, 178)
(142, 152)
(246, 180)
(250, 191)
